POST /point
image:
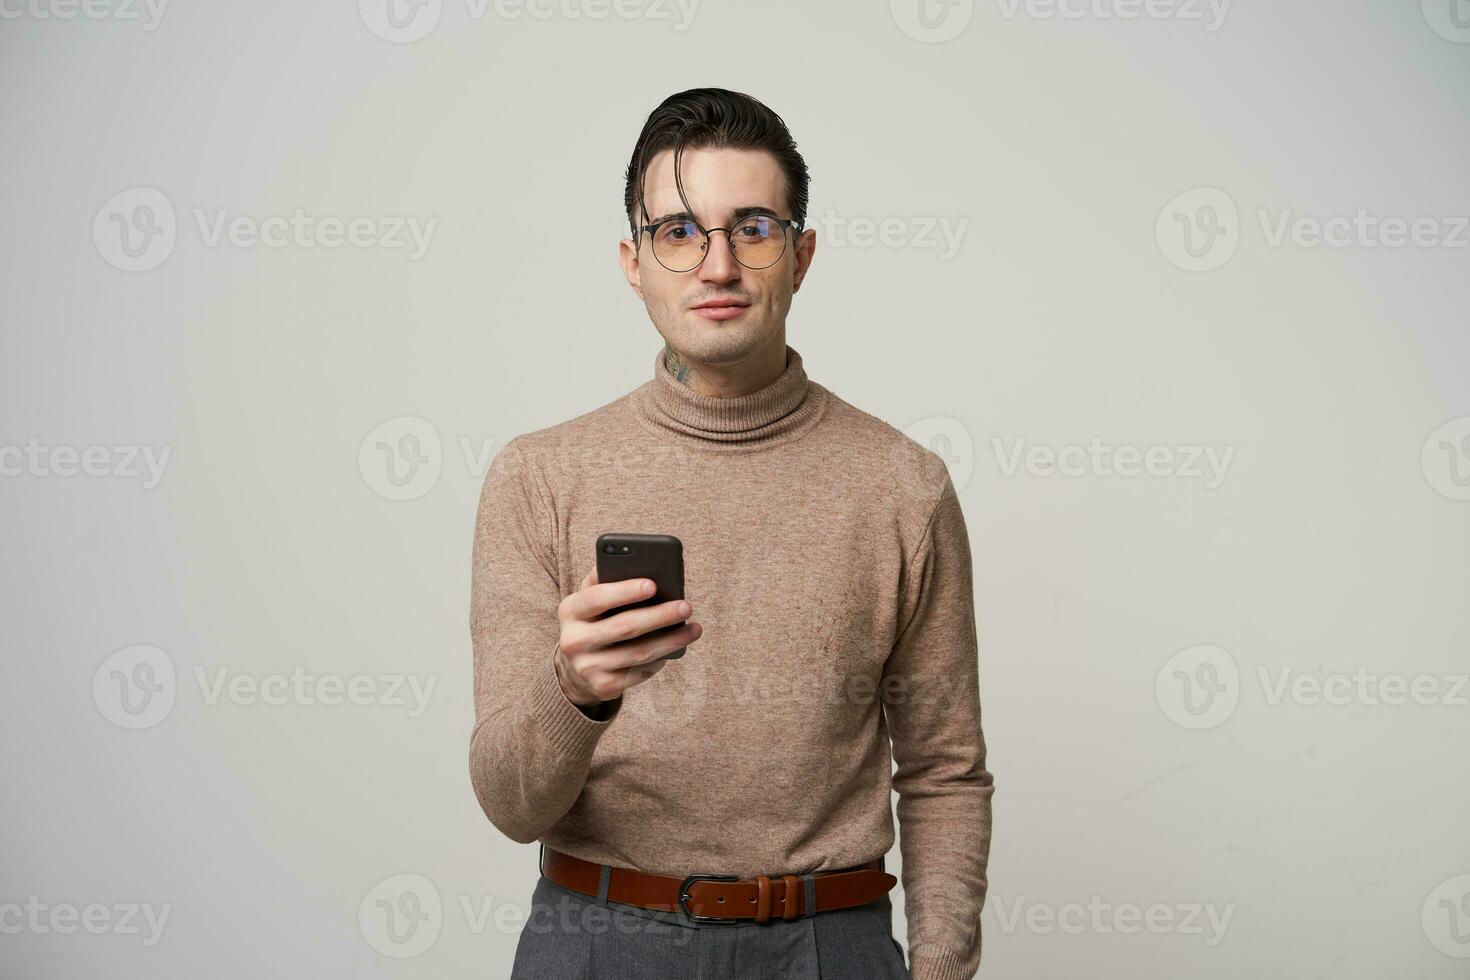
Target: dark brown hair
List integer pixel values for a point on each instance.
(713, 117)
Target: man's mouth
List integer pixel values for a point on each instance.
(721, 308)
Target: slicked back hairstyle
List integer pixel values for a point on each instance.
(713, 118)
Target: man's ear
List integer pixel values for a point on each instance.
(628, 259)
(806, 247)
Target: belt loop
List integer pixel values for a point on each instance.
(603, 883)
(811, 893)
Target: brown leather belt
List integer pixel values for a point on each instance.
(722, 899)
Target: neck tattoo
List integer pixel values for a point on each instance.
(676, 365)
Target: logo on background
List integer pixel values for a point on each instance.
(932, 21)
(401, 916)
(135, 230)
(1198, 687)
(1446, 917)
(1199, 230)
(400, 21)
(135, 687)
(950, 440)
(401, 459)
(1450, 19)
(1446, 459)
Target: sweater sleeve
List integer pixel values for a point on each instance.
(931, 699)
(531, 747)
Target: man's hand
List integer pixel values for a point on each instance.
(598, 659)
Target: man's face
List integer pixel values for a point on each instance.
(716, 182)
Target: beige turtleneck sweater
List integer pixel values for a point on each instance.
(826, 555)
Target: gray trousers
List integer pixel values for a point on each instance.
(571, 936)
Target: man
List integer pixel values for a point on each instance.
(828, 564)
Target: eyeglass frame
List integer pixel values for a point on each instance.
(786, 224)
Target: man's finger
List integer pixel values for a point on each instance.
(593, 600)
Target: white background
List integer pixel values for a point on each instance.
(1333, 835)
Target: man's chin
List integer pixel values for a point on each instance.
(720, 343)
(698, 326)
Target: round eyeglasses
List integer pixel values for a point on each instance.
(758, 241)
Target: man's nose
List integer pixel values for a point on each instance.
(719, 260)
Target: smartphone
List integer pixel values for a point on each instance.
(655, 556)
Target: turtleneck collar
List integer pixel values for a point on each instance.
(780, 412)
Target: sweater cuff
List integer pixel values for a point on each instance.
(564, 724)
(938, 963)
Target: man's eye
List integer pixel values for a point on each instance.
(679, 231)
